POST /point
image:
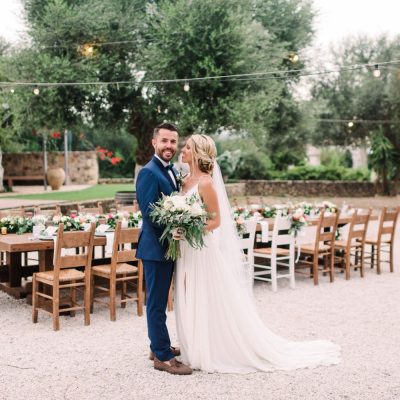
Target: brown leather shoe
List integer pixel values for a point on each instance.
(176, 352)
(176, 367)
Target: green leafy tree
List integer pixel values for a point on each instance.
(358, 96)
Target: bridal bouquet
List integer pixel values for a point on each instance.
(184, 215)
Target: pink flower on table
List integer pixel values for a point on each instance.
(298, 215)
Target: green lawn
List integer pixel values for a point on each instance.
(93, 193)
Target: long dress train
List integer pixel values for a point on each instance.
(218, 326)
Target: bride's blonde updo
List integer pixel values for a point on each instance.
(204, 152)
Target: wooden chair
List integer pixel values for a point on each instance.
(353, 246)
(65, 275)
(91, 210)
(247, 246)
(47, 211)
(127, 208)
(322, 249)
(15, 212)
(276, 255)
(383, 239)
(119, 271)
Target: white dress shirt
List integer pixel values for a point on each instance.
(171, 174)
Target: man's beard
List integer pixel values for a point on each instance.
(160, 154)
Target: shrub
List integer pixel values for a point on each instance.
(325, 173)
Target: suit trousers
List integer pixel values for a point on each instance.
(158, 276)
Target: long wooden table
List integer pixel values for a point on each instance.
(12, 272)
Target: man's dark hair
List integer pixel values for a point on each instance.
(165, 125)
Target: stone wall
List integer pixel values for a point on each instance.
(83, 165)
(309, 188)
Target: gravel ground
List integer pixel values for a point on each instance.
(108, 360)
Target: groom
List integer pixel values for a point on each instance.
(158, 177)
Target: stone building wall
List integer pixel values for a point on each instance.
(310, 188)
(83, 165)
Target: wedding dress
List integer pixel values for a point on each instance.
(218, 326)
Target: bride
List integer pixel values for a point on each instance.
(218, 326)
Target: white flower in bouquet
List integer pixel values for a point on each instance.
(179, 203)
(196, 209)
(56, 219)
(180, 214)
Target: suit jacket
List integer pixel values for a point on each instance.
(153, 181)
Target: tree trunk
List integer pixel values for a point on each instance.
(143, 131)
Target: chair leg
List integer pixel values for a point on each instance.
(123, 292)
(274, 279)
(56, 308)
(372, 255)
(391, 256)
(347, 266)
(34, 300)
(112, 299)
(332, 267)
(362, 262)
(87, 298)
(291, 272)
(378, 259)
(73, 298)
(315, 269)
(139, 288)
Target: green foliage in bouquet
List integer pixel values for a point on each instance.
(184, 213)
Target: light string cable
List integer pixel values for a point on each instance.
(275, 74)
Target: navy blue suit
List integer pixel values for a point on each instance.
(153, 181)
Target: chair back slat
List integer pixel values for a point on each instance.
(248, 242)
(129, 235)
(73, 261)
(328, 221)
(387, 230)
(91, 210)
(126, 255)
(279, 234)
(122, 237)
(359, 226)
(75, 239)
(326, 236)
(326, 230)
(390, 215)
(47, 211)
(128, 208)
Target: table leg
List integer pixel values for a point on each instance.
(14, 263)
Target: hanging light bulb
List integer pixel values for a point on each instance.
(350, 124)
(86, 50)
(376, 72)
(36, 91)
(12, 90)
(186, 87)
(294, 58)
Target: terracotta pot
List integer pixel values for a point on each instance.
(55, 177)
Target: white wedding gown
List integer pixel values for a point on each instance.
(218, 326)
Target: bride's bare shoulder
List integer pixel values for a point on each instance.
(206, 183)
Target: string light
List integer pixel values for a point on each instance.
(36, 91)
(12, 91)
(350, 124)
(294, 58)
(376, 72)
(86, 50)
(284, 74)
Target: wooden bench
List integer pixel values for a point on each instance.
(10, 179)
